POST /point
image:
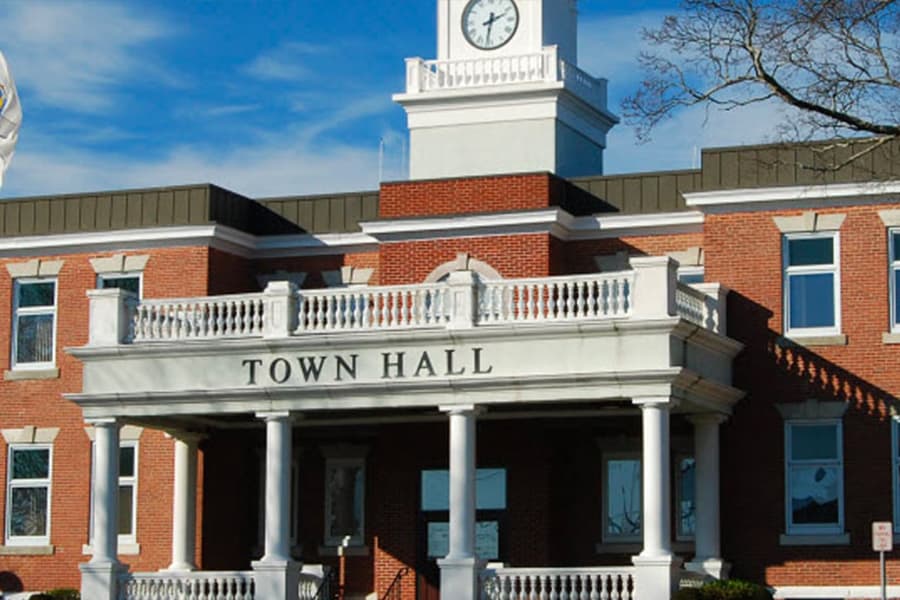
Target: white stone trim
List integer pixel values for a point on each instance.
(835, 591)
(119, 263)
(616, 225)
(347, 275)
(747, 199)
(295, 277)
(810, 222)
(693, 256)
(890, 218)
(811, 409)
(464, 262)
(30, 435)
(35, 268)
(127, 433)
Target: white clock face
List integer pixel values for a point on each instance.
(488, 24)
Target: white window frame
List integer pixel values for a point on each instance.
(813, 529)
(893, 269)
(680, 535)
(355, 461)
(47, 482)
(125, 539)
(607, 537)
(788, 271)
(139, 275)
(35, 310)
(691, 271)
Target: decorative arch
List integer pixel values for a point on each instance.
(464, 262)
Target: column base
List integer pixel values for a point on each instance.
(276, 579)
(656, 577)
(714, 567)
(459, 577)
(100, 580)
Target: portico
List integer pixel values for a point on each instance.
(627, 343)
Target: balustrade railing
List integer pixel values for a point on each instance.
(374, 308)
(212, 317)
(587, 583)
(570, 298)
(597, 296)
(433, 75)
(196, 585)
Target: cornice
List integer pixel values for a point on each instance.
(801, 196)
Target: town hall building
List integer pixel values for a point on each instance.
(509, 376)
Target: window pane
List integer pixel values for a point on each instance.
(623, 496)
(36, 294)
(686, 507)
(690, 277)
(895, 240)
(816, 251)
(812, 300)
(130, 284)
(814, 442)
(897, 296)
(814, 495)
(126, 509)
(345, 492)
(34, 339)
(490, 489)
(29, 511)
(126, 461)
(31, 463)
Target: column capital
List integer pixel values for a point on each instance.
(274, 415)
(460, 409)
(707, 418)
(188, 437)
(102, 421)
(655, 402)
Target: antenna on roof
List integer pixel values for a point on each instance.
(380, 159)
(10, 117)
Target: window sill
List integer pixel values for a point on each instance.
(27, 550)
(124, 549)
(348, 551)
(835, 539)
(798, 339)
(30, 374)
(890, 338)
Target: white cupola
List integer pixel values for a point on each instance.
(505, 94)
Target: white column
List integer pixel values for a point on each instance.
(277, 575)
(99, 576)
(707, 533)
(278, 487)
(106, 491)
(459, 570)
(184, 502)
(656, 566)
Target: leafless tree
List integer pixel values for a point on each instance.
(831, 63)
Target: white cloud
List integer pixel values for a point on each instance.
(284, 63)
(75, 55)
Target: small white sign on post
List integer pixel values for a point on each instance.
(882, 536)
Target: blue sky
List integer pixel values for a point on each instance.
(270, 97)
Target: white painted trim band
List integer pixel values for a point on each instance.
(745, 196)
(830, 592)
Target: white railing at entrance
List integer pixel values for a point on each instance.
(195, 585)
(556, 299)
(373, 308)
(578, 583)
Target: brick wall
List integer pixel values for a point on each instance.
(743, 251)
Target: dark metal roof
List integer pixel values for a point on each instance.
(333, 213)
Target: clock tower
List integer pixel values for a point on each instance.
(505, 94)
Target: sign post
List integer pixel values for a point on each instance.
(883, 541)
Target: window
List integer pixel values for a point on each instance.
(894, 250)
(622, 498)
(814, 475)
(128, 478)
(130, 282)
(690, 274)
(34, 323)
(28, 495)
(811, 284)
(685, 505)
(345, 482)
(490, 504)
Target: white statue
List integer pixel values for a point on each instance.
(10, 117)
